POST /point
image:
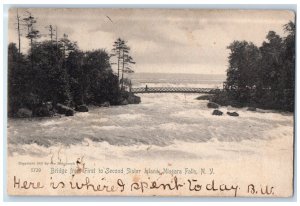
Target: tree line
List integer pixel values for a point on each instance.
(57, 71)
(262, 76)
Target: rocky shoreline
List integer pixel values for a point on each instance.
(48, 110)
(213, 105)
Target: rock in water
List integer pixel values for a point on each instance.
(234, 114)
(24, 113)
(133, 99)
(212, 105)
(137, 99)
(129, 98)
(105, 104)
(217, 112)
(236, 104)
(62, 109)
(251, 109)
(124, 102)
(205, 97)
(82, 108)
(44, 110)
(69, 112)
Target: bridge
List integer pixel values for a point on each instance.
(174, 90)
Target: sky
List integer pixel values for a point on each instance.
(161, 40)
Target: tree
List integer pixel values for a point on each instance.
(272, 69)
(242, 71)
(66, 45)
(19, 32)
(127, 61)
(121, 51)
(74, 67)
(16, 75)
(289, 65)
(32, 33)
(263, 76)
(51, 34)
(117, 52)
(59, 73)
(271, 51)
(50, 81)
(100, 83)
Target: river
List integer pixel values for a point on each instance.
(170, 130)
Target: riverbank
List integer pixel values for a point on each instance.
(235, 99)
(48, 110)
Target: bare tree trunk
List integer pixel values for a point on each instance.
(56, 37)
(51, 33)
(119, 63)
(31, 44)
(19, 33)
(123, 70)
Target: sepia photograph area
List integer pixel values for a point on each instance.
(186, 92)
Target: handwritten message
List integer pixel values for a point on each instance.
(120, 186)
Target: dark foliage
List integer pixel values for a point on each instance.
(261, 76)
(58, 72)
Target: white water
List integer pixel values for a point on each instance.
(171, 124)
(168, 125)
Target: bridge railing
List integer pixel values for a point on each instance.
(173, 90)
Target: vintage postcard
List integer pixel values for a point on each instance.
(150, 102)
